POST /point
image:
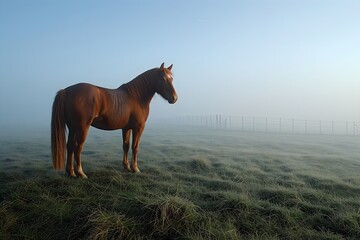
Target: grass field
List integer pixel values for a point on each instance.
(194, 184)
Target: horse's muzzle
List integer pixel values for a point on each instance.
(173, 99)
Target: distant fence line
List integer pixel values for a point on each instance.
(268, 124)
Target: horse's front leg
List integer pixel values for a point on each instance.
(135, 147)
(126, 146)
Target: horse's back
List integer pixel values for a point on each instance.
(80, 88)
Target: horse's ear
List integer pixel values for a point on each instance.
(162, 66)
(170, 67)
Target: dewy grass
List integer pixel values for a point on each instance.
(195, 184)
(171, 213)
(104, 224)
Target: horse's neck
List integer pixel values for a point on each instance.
(142, 87)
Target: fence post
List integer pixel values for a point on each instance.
(266, 124)
(254, 124)
(354, 127)
(242, 123)
(280, 125)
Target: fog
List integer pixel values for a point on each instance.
(296, 59)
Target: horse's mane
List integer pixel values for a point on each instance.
(143, 84)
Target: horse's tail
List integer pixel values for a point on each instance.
(58, 138)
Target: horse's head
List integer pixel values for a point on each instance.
(165, 87)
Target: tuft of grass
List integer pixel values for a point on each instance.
(280, 196)
(171, 214)
(8, 219)
(199, 163)
(211, 227)
(104, 224)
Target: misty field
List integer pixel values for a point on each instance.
(194, 184)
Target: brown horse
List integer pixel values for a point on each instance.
(127, 107)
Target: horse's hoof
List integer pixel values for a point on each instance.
(83, 176)
(136, 170)
(127, 169)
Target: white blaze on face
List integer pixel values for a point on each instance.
(168, 76)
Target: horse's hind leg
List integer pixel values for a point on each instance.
(70, 154)
(80, 137)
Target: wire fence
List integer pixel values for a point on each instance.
(268, 124)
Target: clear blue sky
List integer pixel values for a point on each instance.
(294, 59)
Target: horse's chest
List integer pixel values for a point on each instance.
(139, 115)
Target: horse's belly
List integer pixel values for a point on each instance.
(104, 124)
